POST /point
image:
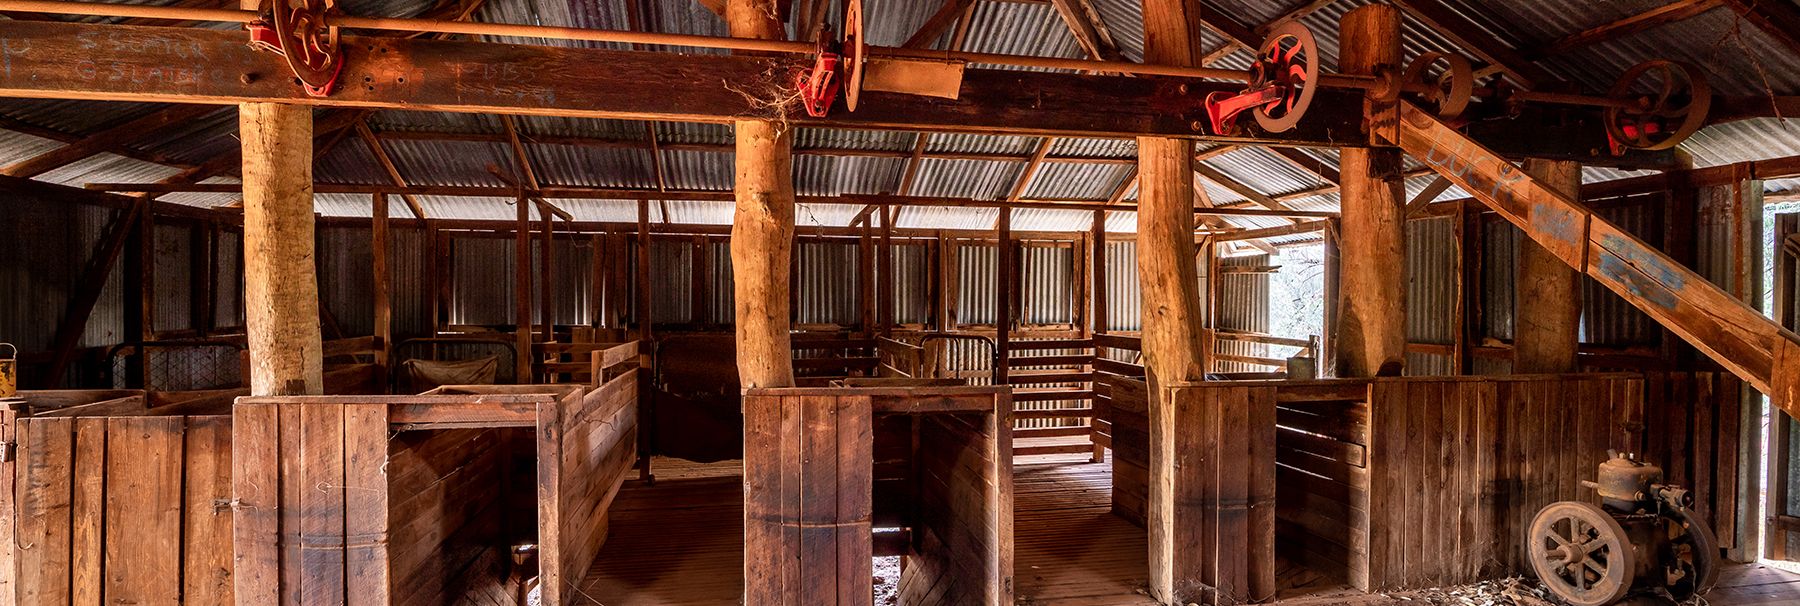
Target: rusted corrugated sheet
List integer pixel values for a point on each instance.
(173, 270)
(1431, 278)
(1499, 266)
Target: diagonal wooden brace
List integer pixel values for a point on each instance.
(1729, 331)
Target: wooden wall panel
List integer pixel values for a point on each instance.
(1127, 403)
(124, 510)
(804, 456)
(1458, 467)
(1692, 429)
(1322, 479)
(1222, 495)
(584, 453)
(962, 542)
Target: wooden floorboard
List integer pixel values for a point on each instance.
(680, 542)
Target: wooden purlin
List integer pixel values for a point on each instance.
(1725, 328)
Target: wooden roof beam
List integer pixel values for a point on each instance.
(117, 136)
(939, 22)
(1477, 41)
(1088, 28)
(387, 164)
(1778, 19)
(1672, 12)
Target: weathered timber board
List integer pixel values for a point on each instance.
(188, 65)
(1725, 328)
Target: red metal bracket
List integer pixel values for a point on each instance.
(1222, 108)
(819, 84)
(304, 38)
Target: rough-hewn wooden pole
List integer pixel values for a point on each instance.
(1003, 297)
(281, 286)
(762, 230)
(1371, 338)
(1548, 309)
(1174, 341)
(522, 291)
(1097, 310)
(384, 278)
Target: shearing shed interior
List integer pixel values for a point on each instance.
(899, 302)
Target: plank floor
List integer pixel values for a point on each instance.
(680, 542)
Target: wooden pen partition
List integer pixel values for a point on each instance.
(401, 499)
(1420, 482)
(809, 477)
(1216, 541)
(118, 509)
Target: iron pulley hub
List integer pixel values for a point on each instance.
(1283, 80)
(302, 33)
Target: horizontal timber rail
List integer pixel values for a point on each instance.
(444, 26)
(584, 193)
(193, 65)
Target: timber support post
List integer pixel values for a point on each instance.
(762, 229)
(1188, 563)
(1371, 319)
(1547, 312)
(281, 286)
(281, 303)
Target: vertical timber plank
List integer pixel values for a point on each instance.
(366, 574)
(87, 565)
(255, 525)
(206, 530)
(45, 448)
(143, 510)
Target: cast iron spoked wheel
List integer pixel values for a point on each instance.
(1693, 559)
(854, 51)
(1580, 553)
(310, 44)
(1289, 58)
(1451, 90)
(1675, 108)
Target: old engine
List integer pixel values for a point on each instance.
(1642, 542)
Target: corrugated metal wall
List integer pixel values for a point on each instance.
(1048, 290)
(1431, 292)
(913, 284)
(1124, 299)
(173, 281)
(41, 264)
(975, 282)
(1243, 305)
(830, 283)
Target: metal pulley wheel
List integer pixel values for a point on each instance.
(1450, 92)
(1289, 58)
(1674, 110)
(1581, 553)
(309, 42)
(855, 52)
(1692, 564)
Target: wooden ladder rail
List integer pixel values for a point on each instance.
(1729, 331)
